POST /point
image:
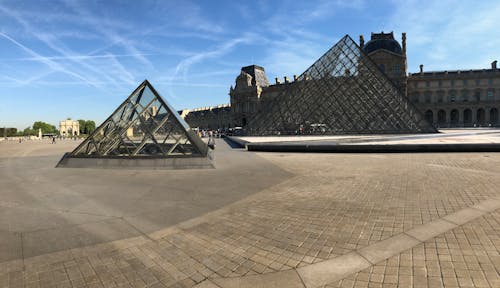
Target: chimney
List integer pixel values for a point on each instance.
(295, 78)
(287, 80)
(421, 69)
(361, 41)
(494, 64)
(278, 81)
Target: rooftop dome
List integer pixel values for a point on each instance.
(382, 41)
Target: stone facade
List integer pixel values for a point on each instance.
(69, 128)
(460, 98)
(245, 96)
(209, 118)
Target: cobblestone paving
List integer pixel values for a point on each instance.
(467, 256)
(335, 204)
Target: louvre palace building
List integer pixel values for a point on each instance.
(455, 98)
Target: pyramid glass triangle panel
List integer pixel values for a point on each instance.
(343, 92)
(143, 126)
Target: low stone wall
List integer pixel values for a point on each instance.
(138, 163)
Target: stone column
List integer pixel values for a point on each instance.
(461, 117)
(474, 117)
(487, 116)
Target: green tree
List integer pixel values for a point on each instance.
(11, 131)
(28, 131)
(89, 126)
(46, 127)
(82, 122)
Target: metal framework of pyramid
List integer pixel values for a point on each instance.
(144, 126)
(343, 92)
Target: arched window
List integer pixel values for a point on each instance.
(441, 117)
(454, 117)
(429, 116)
(494, 116)
(480, 117)
(467, 117)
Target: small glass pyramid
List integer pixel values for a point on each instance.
(343, 92)
(143, 126)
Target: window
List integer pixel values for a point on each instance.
(465, 82)
(465, 96)
(428, 96)
(478, 82)
(440, 97)
(477, 95)
(440, 83)
(452, 96)
(452, 83)
(415, 97)
(489, 95)
(382, 67)
(427, 84)
(490, 81)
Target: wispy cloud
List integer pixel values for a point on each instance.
(51, 64)
(450, 34)
(183, 67)
(306, 12)
(100, 27)
(77, 57)
(52, 42)
(179, 75)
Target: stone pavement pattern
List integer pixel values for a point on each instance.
(333, 205)
(467, 256)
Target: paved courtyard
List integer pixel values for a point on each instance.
(258, 220)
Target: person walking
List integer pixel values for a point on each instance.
(53, 139)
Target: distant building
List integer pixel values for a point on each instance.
(69, 128)
(7, 132)
(211, 118)
(459, 98)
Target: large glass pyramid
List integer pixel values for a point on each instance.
(143, 126)
(343, 92)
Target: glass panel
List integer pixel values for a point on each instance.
(146, 97)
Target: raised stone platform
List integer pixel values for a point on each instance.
(456, 140)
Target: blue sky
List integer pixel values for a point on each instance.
(81, 59)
